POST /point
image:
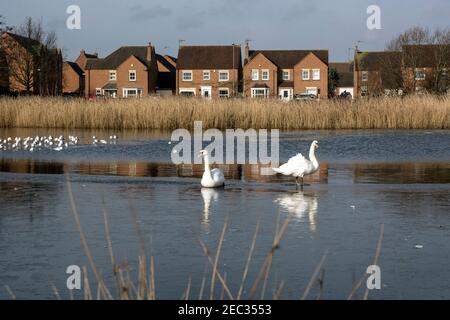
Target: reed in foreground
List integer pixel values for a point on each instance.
(168, 113)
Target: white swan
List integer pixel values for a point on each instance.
(298, 166)
(211, 178)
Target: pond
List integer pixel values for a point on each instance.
(398, 179)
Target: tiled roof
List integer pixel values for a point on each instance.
(342, 67)
(116, 58)
(289, 58)
(346, 79)
(260, 86)
(373, 61)
(421, 56)
(209, 57)
(24, 41)
(286, 84)
(91, 56)
(110, 86)
(345, 72)
(75, 67)
(165, 63)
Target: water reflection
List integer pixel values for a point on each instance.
(209, 195)
(247, 172)
(402, 173)
(300, 205)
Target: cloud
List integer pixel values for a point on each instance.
(186, 23)
(140, 13)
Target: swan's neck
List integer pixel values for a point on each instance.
(312, 156)
(206, 161)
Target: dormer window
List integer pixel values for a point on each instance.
(132, 75)
(112, 75)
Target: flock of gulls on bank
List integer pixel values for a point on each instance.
(59, 143)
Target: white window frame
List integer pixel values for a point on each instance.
(224, 89)
(130, 72)
(267, 72)
(193, 90)
(112, 75)
(255, 74)
(316, 77)
(98, 91)
(312, 88)
(303, 74)
(224, 72)
(186, 72)
(286, 72)
(208, 73)
(255, 95)
(365, 76)
(139, 92)
(422, 73)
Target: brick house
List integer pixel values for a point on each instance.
(377, 73)
(32, 68)
(74, 74)
(130, 71)
(285, 73)
(414, 69)
(426, 67)
(346, 77)
(209, 71)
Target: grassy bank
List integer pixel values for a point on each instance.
(425, 112)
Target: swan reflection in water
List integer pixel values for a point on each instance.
(300, 205)
(209, 195)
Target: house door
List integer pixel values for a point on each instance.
(206, 92)
(285, 94)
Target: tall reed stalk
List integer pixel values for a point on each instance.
(168, 113)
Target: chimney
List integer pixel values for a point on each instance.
(247, 48)
(149, 51)
(82, 52)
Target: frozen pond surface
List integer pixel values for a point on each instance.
(367, 178)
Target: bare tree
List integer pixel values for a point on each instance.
(438, 80)
(422, 49)
(33, 58)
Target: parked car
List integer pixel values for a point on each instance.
(306, 97)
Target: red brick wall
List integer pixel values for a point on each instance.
(260, 62)
(71, 80)
(197, 81)
(310, 62)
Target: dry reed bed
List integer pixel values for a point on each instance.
(414, 112)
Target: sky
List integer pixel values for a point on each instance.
(269, 24)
